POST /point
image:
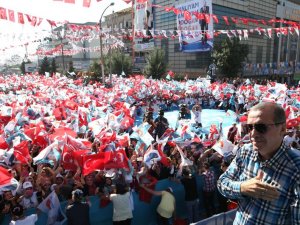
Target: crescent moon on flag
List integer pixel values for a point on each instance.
(66, 159)
(86, 164)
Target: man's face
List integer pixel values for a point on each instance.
(266, 143)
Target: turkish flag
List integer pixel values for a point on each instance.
(3, 14)
(127, 122)
(86, 3)
(11, 15)
(32, 132)
(82, 117)
(41, 140)
(116, 159)
(20, 18)
(3, 143)
(5, 176)
(106, 137)
(59, 113)
(123, 141)
(93, 162)
(187, 15)
(70, 104)
(59, 133)
(67, 159)
(21, 152)
(292, 123)
(51, 22)
(127, 1)
(70, 1)
(4, 119)
(78, 155)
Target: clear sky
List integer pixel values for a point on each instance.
(11, 33)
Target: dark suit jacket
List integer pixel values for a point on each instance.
(78, 214)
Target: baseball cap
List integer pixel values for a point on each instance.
(170, 189)
(27, 184)
(59, 175)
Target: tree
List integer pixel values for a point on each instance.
(120, 62)
(53, 66)
(95, 69)
(156, 66)
(229, 56)
(45, 66)
(22, 67)
(71, 67)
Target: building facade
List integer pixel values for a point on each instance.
(273, 49)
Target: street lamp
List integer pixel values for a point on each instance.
(61, 34)
(101, 52)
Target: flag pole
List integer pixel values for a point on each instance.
(133, 33)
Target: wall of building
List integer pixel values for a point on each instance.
(261, 47)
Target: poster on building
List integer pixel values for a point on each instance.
(144, 26)
(30, 67)
(195, 35)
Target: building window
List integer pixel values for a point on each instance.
(259, 52)
(177, 47)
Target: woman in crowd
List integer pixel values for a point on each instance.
(166, 209)
(122, 213)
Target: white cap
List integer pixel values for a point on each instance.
(27, 184)
(59, 175)
(110, 173)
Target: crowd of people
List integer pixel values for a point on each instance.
(44, 160)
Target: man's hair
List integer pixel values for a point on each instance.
(278, 111)
(121, 189)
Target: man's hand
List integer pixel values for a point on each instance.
(255, 188)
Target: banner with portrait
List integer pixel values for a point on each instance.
(195, 35)
(143, 25)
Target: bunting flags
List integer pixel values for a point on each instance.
(11, 15)
(3, 14)
(86, 3)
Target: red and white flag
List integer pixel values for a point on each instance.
(11, 15)
(70, 1)
(21, 152)
(21, 18)
(5, 177)
(3, 14)
(86, 3)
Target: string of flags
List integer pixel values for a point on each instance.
(80, 33)
(9, 14)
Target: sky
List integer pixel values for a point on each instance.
(13, 33)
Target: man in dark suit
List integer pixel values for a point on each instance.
(78, 213)
(203, 23)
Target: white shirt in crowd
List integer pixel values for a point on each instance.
(121, 205)
(29, 202)
(28, 220)
(241, 99)
(195, 116)
(288, 140)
